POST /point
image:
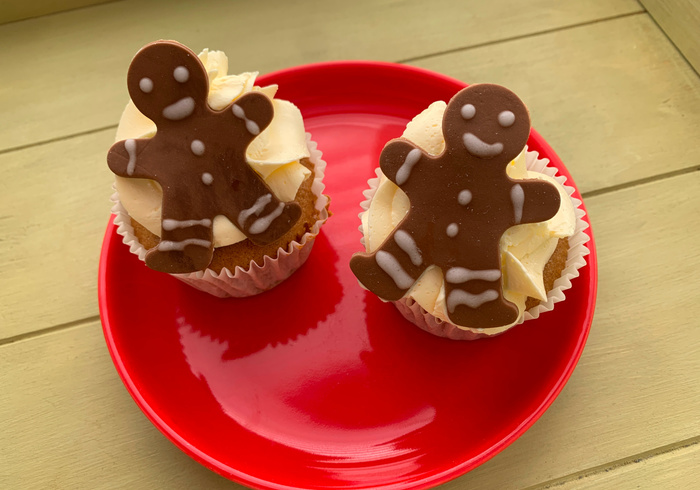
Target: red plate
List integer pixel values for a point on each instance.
(317, 383)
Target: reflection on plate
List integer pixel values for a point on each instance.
(317, 383)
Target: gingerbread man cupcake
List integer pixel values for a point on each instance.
(217, 182)
(465, 231)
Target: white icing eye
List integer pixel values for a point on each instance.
(146, 85)
(506, 119)
(452, 230)
(468, 111)
(207, 178)
(181, 74)
(197, 147)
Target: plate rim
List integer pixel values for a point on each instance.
(427, 481)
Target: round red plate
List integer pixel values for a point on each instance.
(317, 383)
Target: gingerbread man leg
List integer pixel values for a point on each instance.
(263, 219)
(186, 244)
(394, 268)
(468, 290)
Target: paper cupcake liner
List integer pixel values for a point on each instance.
(413, 312)
(257, 278)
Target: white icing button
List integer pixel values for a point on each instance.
(452, 230)
(506, 119)
(181, 74)
(464, 197)
(207, 178)
(197, 147)
(146, 85)
(468, 111)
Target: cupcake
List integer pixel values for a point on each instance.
(466, 231)
(217, 182)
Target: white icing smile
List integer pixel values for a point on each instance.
(180, 109)
(480, 148)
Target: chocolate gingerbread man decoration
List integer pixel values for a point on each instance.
(198, 157)
(461, 203)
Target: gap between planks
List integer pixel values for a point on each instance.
(638, 182)
(670, 40)
(48, 330)
(522, 36)
(613, 465)
(680, 53)
(57, 139)
(404, 61)
(48, 14)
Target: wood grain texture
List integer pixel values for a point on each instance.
(13, 10)
(70, 422)
(675, 469)
(67, 71)
(680, 19)
(615, 99)
(53, 212)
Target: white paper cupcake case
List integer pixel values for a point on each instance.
(241, 283)
(413, 312)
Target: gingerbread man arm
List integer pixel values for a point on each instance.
(534, 201)
(397, 160)
(124, 158)
(251, 114)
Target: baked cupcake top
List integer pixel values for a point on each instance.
(457, 222)
(196, 162)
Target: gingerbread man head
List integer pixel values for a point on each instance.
(488, 121)
(198, 157)
(166, 82)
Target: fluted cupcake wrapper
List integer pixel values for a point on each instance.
(257, 278)
(577, 252)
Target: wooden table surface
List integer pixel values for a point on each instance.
(605, 86)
